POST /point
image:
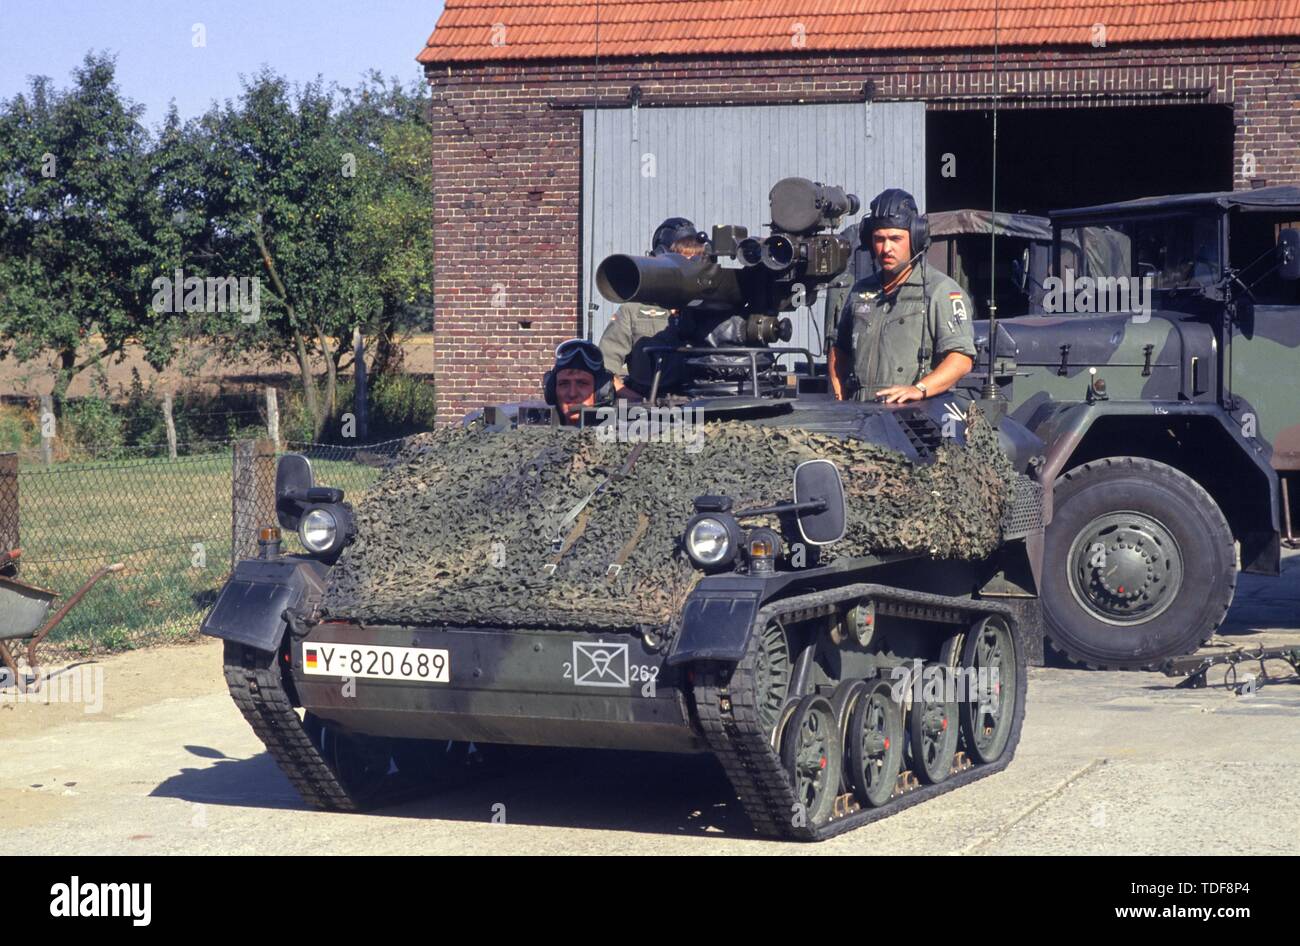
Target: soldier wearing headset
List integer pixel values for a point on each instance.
(635, 325)
(905, 332)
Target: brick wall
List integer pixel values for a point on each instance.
(507, 157)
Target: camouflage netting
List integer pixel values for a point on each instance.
(459, 529)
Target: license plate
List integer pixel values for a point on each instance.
(417, 664)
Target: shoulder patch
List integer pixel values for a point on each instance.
(958, 306)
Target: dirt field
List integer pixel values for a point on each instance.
(203, 366)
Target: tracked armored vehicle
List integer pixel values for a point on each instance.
(817, 595)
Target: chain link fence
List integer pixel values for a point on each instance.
(173, 524)
(350, 468)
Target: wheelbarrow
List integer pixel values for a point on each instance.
(24, 609)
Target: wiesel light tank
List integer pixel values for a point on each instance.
(832, 598)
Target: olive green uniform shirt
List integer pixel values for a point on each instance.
(633, 322)
(837, 293)
(892, 339)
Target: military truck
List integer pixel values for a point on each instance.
(801, 660)
(1162, 379)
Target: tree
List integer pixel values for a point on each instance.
(392, 252)
(274, 207)
(318, 192)
(82, 229)
(318, 199)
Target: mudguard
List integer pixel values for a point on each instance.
(716, 622)
(719, 614)
(1064, 428)
(250, 609)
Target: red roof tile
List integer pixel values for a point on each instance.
(479, 30)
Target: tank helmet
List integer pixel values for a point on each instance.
(672, 230)
(895, 208)
(586, 356)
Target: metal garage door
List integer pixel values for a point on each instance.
(717, 164)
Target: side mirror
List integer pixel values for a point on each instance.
(1288, 254)
(293, 478)
(1019, 275)
(816, 480)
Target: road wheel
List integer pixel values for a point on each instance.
(875, 735)
(932, 725)
(988, 706)
(843, 700)
(1138, 564)
(812, 754)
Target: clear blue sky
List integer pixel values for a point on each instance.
(157, 60)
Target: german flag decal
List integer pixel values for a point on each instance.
(309, 657)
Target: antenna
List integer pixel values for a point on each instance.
(590, 188)
(990, 389)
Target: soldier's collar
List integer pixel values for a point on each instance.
(913, 279)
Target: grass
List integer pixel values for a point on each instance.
(167, 521)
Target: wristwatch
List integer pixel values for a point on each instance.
(925, 392)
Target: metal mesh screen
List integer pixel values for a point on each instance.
(172, 523)
(1025, 514)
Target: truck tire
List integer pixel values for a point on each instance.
(1138, 565)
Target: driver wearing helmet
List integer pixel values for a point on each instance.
(578, 379)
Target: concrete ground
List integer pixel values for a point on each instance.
(1110, 763)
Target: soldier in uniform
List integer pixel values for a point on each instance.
(578, 379)
(837, 290)
(905, 332)
(634, 323)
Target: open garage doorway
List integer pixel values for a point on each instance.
(1050, 159)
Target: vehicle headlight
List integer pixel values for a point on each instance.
(711, 541)
(318, 530)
